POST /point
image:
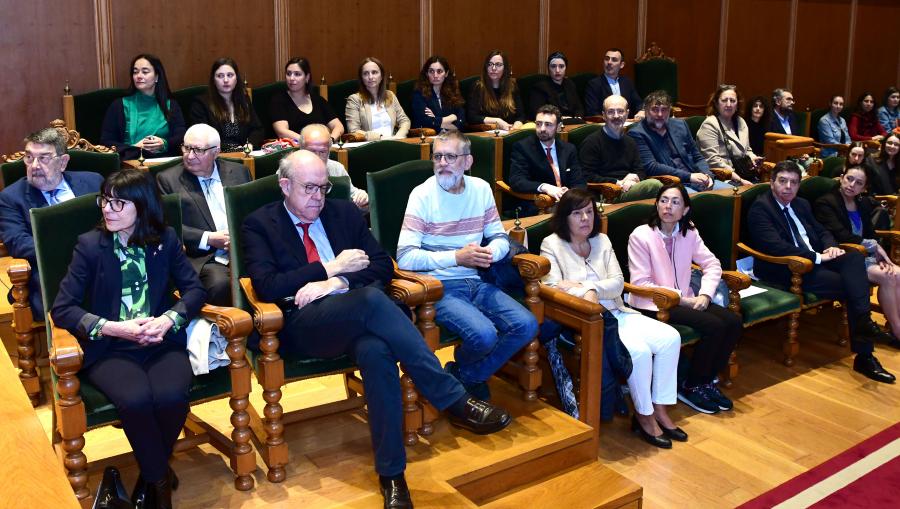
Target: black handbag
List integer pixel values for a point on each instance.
(111, 494)
(741, 164)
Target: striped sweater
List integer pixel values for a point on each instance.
(437, 223)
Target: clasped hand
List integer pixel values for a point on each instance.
(831, 253)
(143, 331)
(474, 256)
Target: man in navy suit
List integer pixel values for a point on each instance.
(611, 83)
(200, 181)
(542, 163)
(318, 261)
(784, 225)
(47, 183)
(784, 121)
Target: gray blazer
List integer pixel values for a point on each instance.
(359, 116)
(709, 138)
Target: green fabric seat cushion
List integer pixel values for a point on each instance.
(688, 334)
(812, 188)
(297, 367)
(769, 304)
(185, 97)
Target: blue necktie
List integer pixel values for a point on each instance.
(53, 199)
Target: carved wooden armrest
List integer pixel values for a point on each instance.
(267, 317)
(723, 174)
(609, 191)
(531, 267)
(232, 322)
(663, 298)
(796, 264)
(541, 201)
(432, 287)
(65, 353)
(408, 292)
(735, 280)
(577, 306)
(667, 179)
(479, 128)
(892, 235)
(353, 137)
(595, 119)
(418, 132)
(846, 246)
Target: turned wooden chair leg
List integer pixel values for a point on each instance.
(791, 346)
(530, 373)
(25, 338)
(412, 413)
(243, 461)
(71, 425)
(844, 332)
(271, 377)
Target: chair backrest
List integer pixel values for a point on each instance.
(340, 189)
(525, 84)
(536, 234)
(832, 166)
(656, 74)
(717, 217)
(483, 154)
(466, 85)
(404, 95)
(619, 225)
(90, 109)
(262, 96)
(186, 96)
(337, 98)
(267, 165)
(812, 188)
(378, 155)
(580, 133)
(508, 141)
(803, 123)
(11, 172)
(748, 196)
(814, 118)
(581, 80)
(156, 169)
(389, 191)
(79, 160)
(694, 124)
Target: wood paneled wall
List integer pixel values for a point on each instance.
(816, 47)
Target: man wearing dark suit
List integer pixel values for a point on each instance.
(542, 163)
(318, 260)
(200, 181)
(46, 183)
(783, 225)
(611, 83)
(784, 121)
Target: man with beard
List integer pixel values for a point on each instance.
(666, 146)
(450, 231)
(609, 156)
(543, 164)
(611, 83)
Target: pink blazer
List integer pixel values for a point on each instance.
(650, 265)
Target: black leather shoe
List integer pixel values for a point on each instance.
(163, 491)
(395, 493)
(659, 441)
(676, 433)
(139, 494)
(481, 417)
(868, 365)
(871, 331)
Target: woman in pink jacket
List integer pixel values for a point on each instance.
(660, 254)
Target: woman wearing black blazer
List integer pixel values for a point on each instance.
(848, 216)
(556, 89)
(436, 101)
(131, 331)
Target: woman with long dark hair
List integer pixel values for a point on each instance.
(436, 101)
(226, 107)
(863, 123)
(297, 107)
(495, 97)
(758, 122)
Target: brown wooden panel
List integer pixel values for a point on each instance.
(820, 62)
(43, 44)
(876, 49)
(189, 36)
(466, 30)
(757, 46)
(336, 35)
(583, 29)
(687, 31)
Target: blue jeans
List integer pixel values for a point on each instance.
(491, 324)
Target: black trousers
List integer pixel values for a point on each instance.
(719, 331)
(216, 279)
(149, 387)
(366, 324)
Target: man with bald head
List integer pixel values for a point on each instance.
(317, 139)
(317, 260)
(200, 180)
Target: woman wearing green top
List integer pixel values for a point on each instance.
(147, 118)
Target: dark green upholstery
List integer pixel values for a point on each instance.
(747, 198)
(466, 85)
(268, 164)
(656, 74)
(11, 172)
(832, 166)
(694, 124)
(813, 187)
(262, 96)
(79, 160)
(341, 189)
(581, 80)
(802, 122)
(525, 84)
(713, 215)
(376, 156)
(90, 108)
(814, 117)
(337, 98)
(186, 96)
(404, 95)
(156, 169)
(581, 133)
(389, 191)
(483, 158)
(241, 201)
(508, 202)
(536, 234)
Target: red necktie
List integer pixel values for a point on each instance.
(553, 167)
(312, 254)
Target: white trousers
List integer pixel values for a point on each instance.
(654, 348)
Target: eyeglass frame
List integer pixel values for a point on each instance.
(199, 152)
(310, 189)
(450, 158)
(496, 65)
(40, 159)
(102, 201)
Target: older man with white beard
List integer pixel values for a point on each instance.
(450, 230)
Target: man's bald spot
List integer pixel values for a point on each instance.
(613, 101)
(305, 163)
(315, 132)
(205, 133)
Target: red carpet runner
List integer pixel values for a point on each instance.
(866, 475)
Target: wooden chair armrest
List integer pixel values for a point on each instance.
(541, 201)
(232, 322)
(65, 353)
(723, 174)
(353, 137)
(432, 286)
(267, 317)
(595, 119)
(479, 128)
(736, 280)
(796, 264)
(609, 191)
(842, 148)
(408, 292)
(890, 199)
(662, 297)
(667, 179)
(892, 235)
(531, 266)
(846, 246)
(579, 307)
(872, 144)
(418, 132)
(697, 109)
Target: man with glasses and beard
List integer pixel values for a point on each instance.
(452, 229)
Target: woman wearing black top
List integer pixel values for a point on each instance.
(297, 107)
(757, 122)
(495, 97)
(436, 101)
(556, 89)
(226, 108)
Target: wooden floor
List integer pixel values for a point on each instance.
(786, 420)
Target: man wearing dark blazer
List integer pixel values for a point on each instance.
(542, 163)
(46, 183)
(783, 225)
(612, 83)
(199, 180)
(319, 262)
(784, 120)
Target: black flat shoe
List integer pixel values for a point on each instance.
(481, 417)
(658, 441)
(395, 493)
(675, 433)
(869, 366)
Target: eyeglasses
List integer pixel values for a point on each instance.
(196, 150)
(115, 204)
(450, 158)
(312, 188)
(44, 159)
(495, 65)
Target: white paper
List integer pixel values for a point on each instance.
(751, 291)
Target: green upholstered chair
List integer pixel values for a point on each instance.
(694, 124)
(581, 80)
(484, 154)
(404, 95)
(79, 406)
(90, 109)
(274, 370)
(811, 188)
(265, 165)
(814, 118)
(832, 166)
(466, 85)
(803, 123)
(378, 155)
(509, 199)
(580, 133)
(156, 169)
(337, 98)
(525, 84)
(660, 73)
(262, 96)
(185, 97)
(79, 160)
(389, 191)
